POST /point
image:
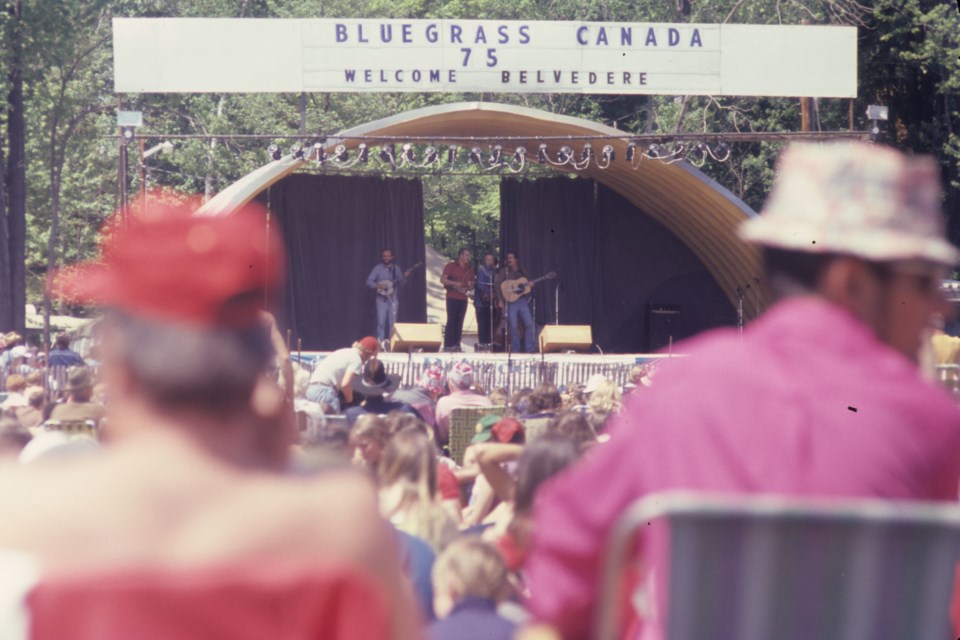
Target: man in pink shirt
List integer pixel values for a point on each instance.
(460, 379)
(820, 397)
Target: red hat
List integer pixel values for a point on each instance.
(369, 344)
(172, 266)
(507, 428)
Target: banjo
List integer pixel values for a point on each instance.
(513, 290)
(387, 288)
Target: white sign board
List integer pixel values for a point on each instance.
(200, 55)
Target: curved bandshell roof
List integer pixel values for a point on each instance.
(700, 212)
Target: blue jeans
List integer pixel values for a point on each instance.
(386, 316)
(521, 310)
(324, 394)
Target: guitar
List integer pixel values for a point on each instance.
(464, 290)
(513, 290)
(386, 288)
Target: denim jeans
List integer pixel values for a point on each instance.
(386, 316)
(520, 310)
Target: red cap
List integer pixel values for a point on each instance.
(369, 344)
(171, 266)
(506, 429)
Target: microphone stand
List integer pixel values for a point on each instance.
(556, 303)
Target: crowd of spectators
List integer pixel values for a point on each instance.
(205, 466)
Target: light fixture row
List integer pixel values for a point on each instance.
(410, 156)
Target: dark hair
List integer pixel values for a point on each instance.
(541, 459)
(512, 252)
(462, 251)
(576, 427)
(543, 398)
(791, 271)
(62, 341)
(175, 366)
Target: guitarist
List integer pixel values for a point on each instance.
(458, 278)
(519, 310)
(385, 278)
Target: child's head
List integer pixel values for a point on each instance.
(468, 567)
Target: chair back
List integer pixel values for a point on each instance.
(463, 426)
(755, 568)
(236, 603)
(72, 427)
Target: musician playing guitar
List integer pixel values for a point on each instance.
(519, 309)
(385, 278)
(458, 278)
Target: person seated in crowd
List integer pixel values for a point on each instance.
(499, 397)
(333, 376)
(373, 386)
(62, 355)
(408, 489)
(448, 487)
(543, 403)
(79, 404)
(459, 381)
(31, 416)
(20, 358)
(13, 438)
(820, 396)
(576, 427)
(15, 386)
(197, 476)
(483, 498)
(469, 581)
(7, 343)
(369, 437)
(603, 403)
(424, 396)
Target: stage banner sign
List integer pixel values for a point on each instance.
(201, 55)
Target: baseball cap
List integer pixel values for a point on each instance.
(494, 427)
(856, 199)
(461, 375)
(166, 264)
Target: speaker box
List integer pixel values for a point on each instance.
(570, 337)
(408, 336)
(663, 325)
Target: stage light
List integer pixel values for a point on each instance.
(430, 156)
(721, 152)
(127, 134)
(340, 153)
(653, 151)
(274, 152)
(542, 154)
(496, 155)
(407, 153)
(387, 155)
(565, 154)
(631, 151)
(608, 153)
(475, 156)
(699, 154)
(363, 153)
(451, 154)
(587, 153)
(520, 154)
(296, 151)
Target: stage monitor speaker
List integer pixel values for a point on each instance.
(663, 325)
(569, 337)
(408, 336)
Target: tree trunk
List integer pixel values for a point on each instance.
(6, 274)
(16, 173)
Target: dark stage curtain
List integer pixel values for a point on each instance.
(551, 224)
(614, 264)
(334, 228)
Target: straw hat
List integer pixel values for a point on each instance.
(855, 199)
